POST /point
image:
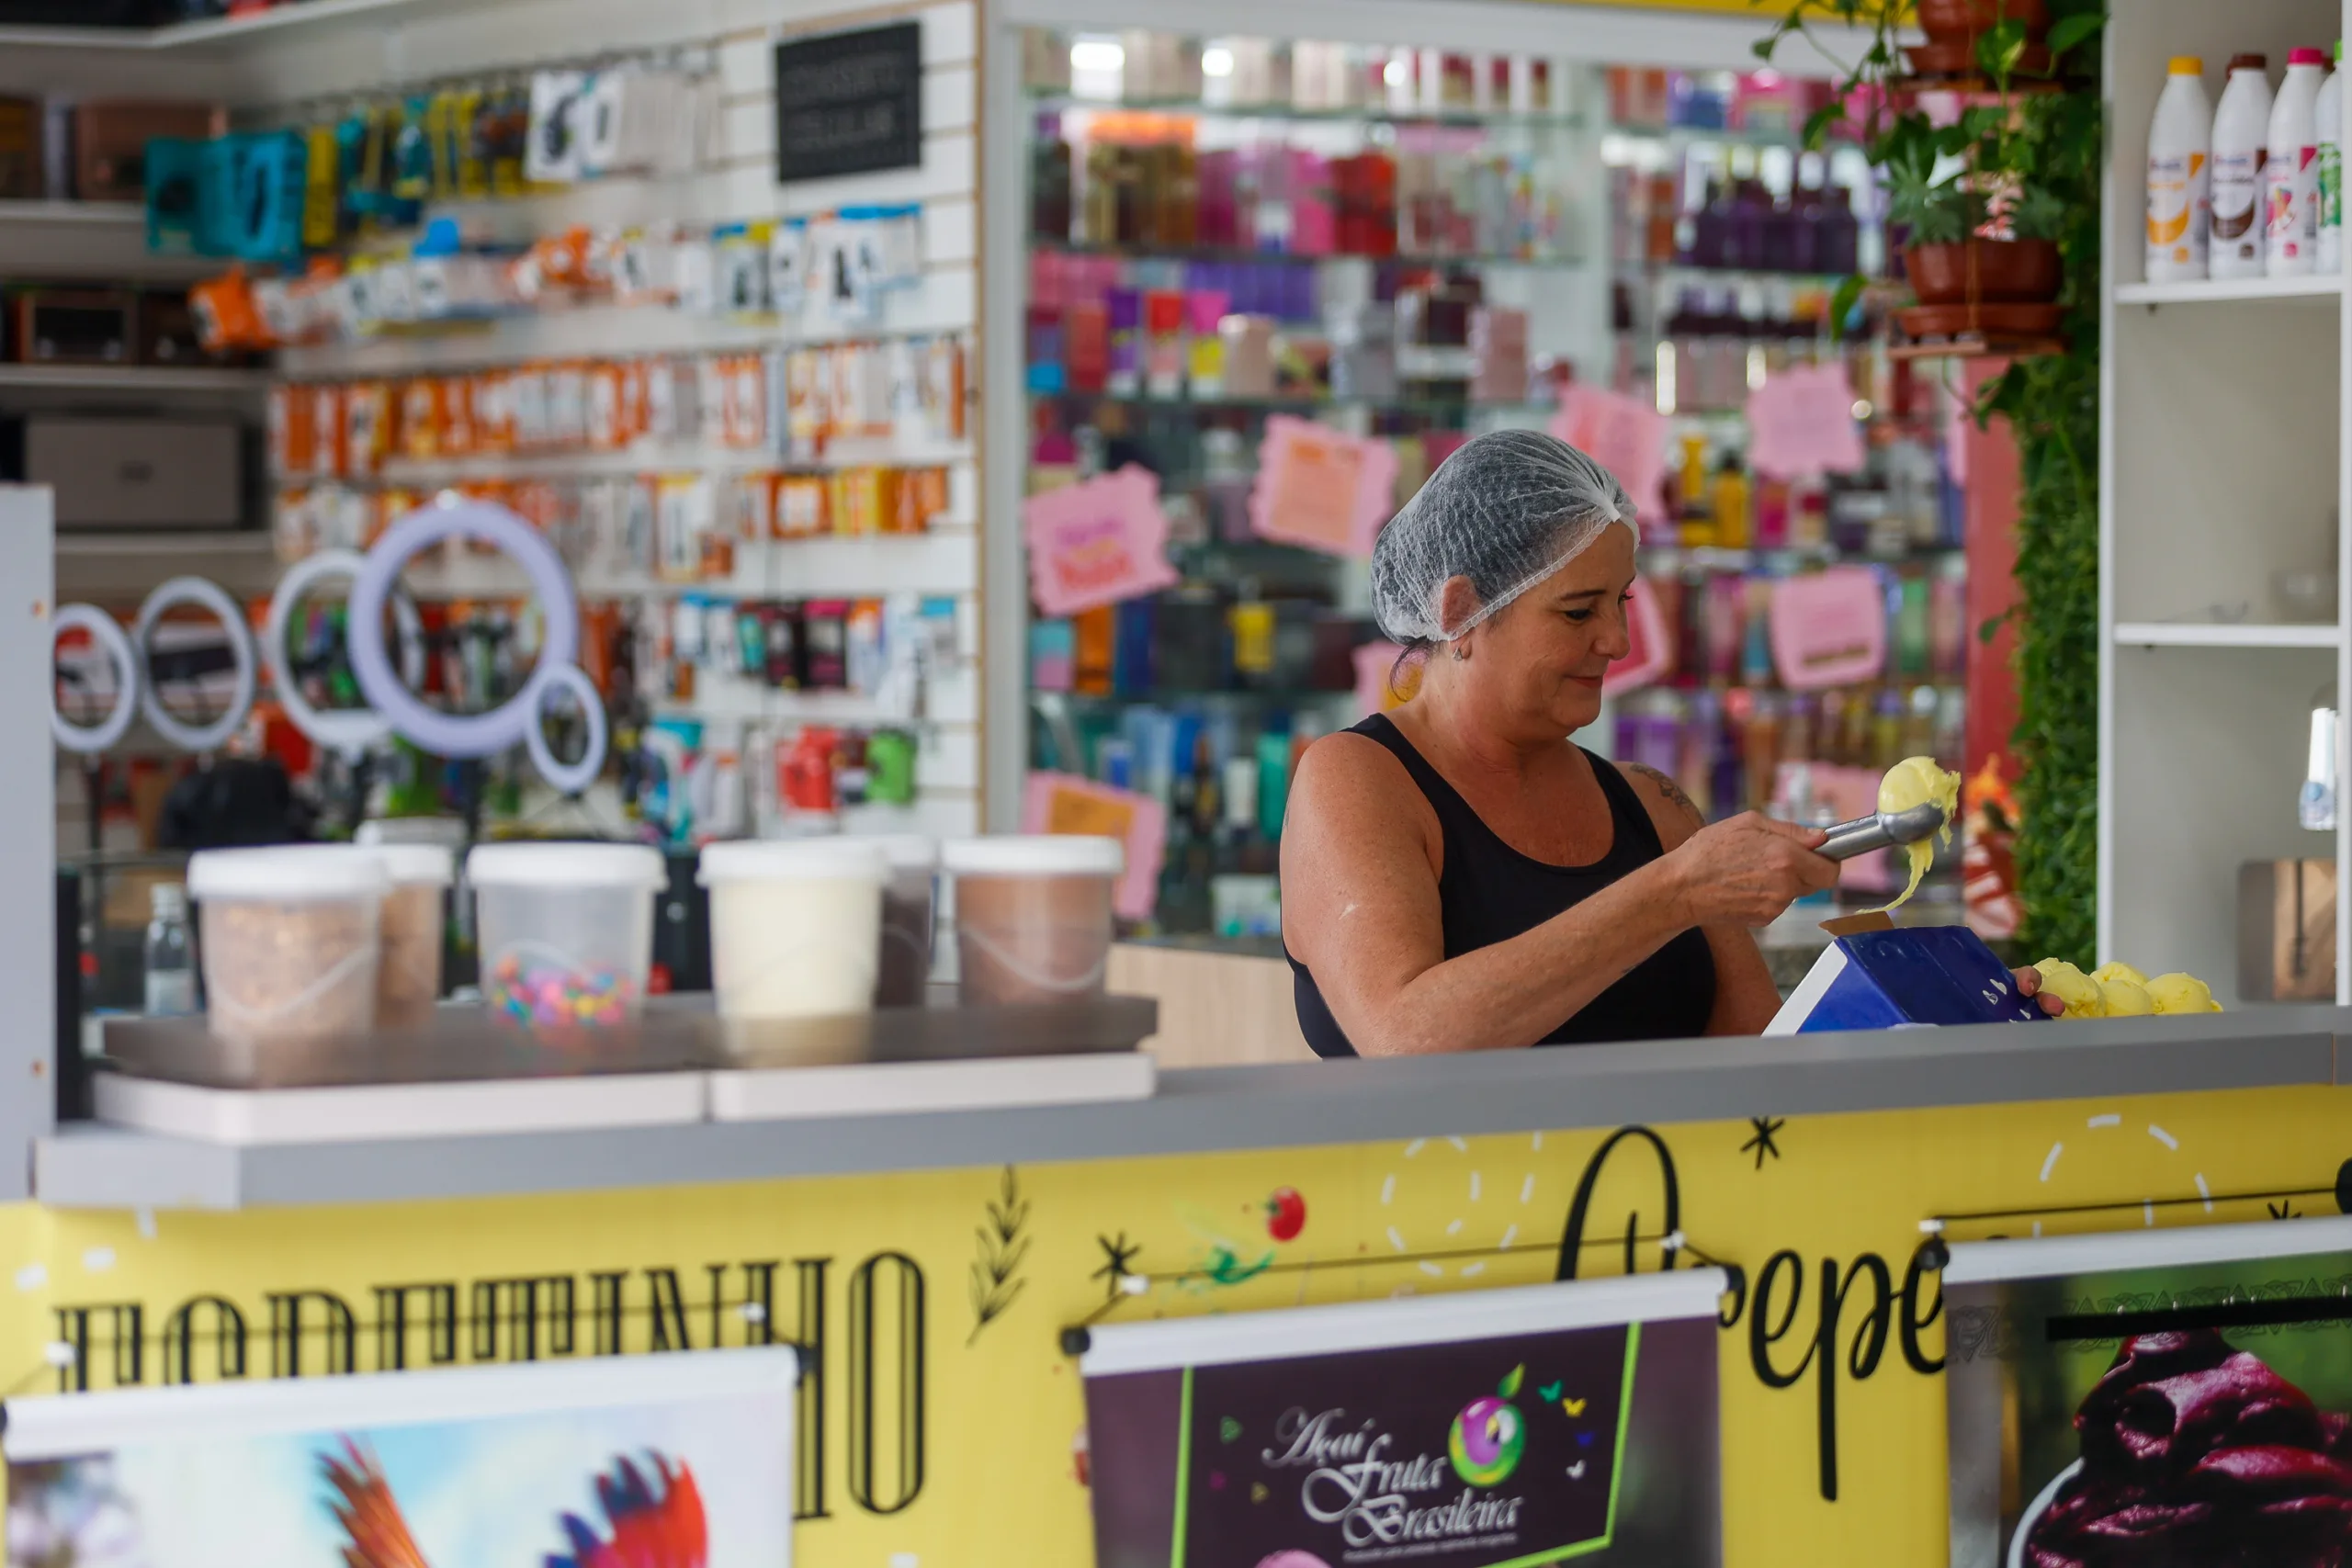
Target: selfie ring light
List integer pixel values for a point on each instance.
(107, 633)
(458, 734)
(205, 595)
(348, 731)
(572, 778)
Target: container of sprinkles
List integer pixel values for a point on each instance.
(566, 933)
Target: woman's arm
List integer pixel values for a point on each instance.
(1745, 997)
(1360, 855)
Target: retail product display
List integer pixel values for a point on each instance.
(796, 926)
(2180, 178)
(1033, 915)
(414, 933)
(566, 932)
(2329, 179)
(291, 942)
(2241, 140)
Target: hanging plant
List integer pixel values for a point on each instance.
(2004, 200)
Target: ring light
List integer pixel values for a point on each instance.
(572, 778)
(107, 633)
(454, 734)
(205, 595)
(346, 730)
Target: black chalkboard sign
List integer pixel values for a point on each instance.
(849, 103)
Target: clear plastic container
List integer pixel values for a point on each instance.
(795, 926)
(1033, 915)
(906, 903)
(567, 931)
(290, 941)
(414, 933)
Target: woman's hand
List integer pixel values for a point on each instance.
(2029, 984)
(1749, 870)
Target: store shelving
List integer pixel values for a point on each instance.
(2215, 291)
(131, 379)
(2145, 634)
(1143, 253)
(215, 33)
(1464, 118)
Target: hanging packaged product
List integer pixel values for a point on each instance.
(788, 267)
(554, 153)
(740, 256)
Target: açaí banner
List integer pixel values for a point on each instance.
(674, 1460)
(2153, 1399)
(1487, 1429)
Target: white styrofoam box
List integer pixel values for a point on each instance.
(400, 1110)
(902, 1087)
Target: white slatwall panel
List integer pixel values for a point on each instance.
(738, 184)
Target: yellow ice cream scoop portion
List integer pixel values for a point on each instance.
(2125, 998)
(1909, 784)
(2083, 997)
(2108, 973)
(2181, 993)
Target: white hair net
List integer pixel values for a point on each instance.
(1506, 511)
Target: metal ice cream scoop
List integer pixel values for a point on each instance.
(1884, 831)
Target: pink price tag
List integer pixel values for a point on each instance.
(1653, 656)
(1800, 424)
(1321, 489)
(1830, 629)
(1065, 803)
(1097, 543)
(1625, 435)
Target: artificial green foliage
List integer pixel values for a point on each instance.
(2030, 163)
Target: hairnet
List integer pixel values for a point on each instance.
(1506, 511)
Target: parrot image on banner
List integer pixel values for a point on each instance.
(656, 1522)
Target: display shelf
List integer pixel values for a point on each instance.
(1294, 697)
(1791, 138)
(1366, 114)
(829, 566)
(2226, 291)
(215, 33)
(131, 379)
(2167, 634)
(91, 1167)
(125, 214)
(421, 472)
(1234, 254)
(1214, 403)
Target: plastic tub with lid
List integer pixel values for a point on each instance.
(289, 939)
(566, 931)
(414, 933)
(907, 904)
(795, 926)
(1033, 915)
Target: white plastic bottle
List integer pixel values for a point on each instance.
(2331, 170)
(2240, 132)
(2180, 194)
(2290, 172)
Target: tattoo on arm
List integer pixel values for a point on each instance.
(1673, 793)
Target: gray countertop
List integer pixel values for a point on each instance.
(1334, 1102)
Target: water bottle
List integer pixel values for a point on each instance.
(171, 968)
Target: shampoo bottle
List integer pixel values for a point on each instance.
(2180, 156)
(2241, 133)
(2290, 171)
(2331, 169)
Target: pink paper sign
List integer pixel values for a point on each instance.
(1653, 656)
(1322, 489)
(1830, 629)
(1097, 543)
(1064, 803)
(1377, 679)
(1800, 424)
(1625, 435)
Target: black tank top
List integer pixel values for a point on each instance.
(1490, 893)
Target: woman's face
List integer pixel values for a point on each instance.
(1542, 660)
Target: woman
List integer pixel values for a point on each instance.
(1455, 875)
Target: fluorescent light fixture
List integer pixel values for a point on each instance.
(1217, 60)
(1395, 73)
(1103, 56)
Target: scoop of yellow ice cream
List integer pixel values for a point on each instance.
(1910, 784)
(2182, 993)
(2108, 973)
(2125, 998)
(2083, 997)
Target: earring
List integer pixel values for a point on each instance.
(1461, 652)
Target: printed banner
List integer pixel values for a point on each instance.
(2177, 1398)
(1322, 489)
(1528, 1427)
(1097, 543)
(670, 1460)
(1800, 424)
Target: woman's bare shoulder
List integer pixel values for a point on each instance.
(1673, 813)
(1347, 783)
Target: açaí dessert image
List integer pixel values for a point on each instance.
(2199, 1455)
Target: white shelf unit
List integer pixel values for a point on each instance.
(2223, 460)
